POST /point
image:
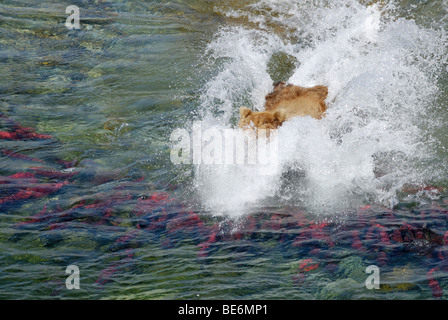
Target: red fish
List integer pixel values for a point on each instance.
(38, 191)
(357, 244)
(22, 133)
(206, 244)
(35, 218)
(16, 155)
(19, 132)
(40, 171)
(437, 291)
(19, 178)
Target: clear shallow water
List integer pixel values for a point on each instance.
(101, 193)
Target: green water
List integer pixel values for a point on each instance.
(123, 80)
(111, 93)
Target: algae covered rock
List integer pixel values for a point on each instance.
(352, 267)
(339, 290)
(281, 66)
(400, 279)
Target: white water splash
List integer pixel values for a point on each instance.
(381, 71)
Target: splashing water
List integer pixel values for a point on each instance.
(382, 73)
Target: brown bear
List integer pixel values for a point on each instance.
(261, 119)
(285, 102)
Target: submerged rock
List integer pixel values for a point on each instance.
(339, 290)
(281, 66)
(400, 279)
(352, 267)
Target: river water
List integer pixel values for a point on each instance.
(87, 178)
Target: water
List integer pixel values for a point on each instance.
(382, 83)
(365, 185)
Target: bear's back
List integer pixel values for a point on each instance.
(298, 101)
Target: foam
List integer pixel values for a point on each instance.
(381, 71)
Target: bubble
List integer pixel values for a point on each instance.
(381, 71)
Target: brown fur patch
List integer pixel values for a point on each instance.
(260, 120)
(284, 103)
